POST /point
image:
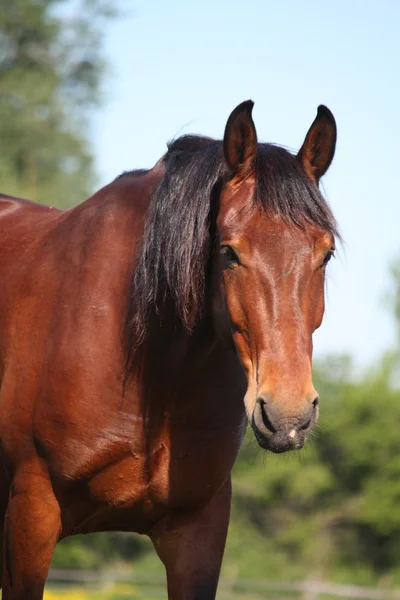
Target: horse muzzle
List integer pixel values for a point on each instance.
(279, 431)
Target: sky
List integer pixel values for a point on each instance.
(182, 66)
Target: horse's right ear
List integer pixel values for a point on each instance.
(240, 141)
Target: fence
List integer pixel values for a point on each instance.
(119, 586)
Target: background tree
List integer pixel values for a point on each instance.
(51, 67)
(395, 272)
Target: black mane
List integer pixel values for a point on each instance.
(171, 272)
(135, 172)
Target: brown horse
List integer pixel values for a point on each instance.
(131, 328)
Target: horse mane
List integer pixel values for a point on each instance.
(134, 172)
(171, 272)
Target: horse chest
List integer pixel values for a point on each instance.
(136, 491)
(165, 473)
(136, 481)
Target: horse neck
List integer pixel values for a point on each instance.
(173, 355)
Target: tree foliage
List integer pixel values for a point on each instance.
(51, 66)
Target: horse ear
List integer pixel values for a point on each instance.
(318, 149)
(240, 140)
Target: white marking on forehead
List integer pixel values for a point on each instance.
(292, 434)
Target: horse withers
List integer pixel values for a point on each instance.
(133, 326)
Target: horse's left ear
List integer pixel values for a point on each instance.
(318, 149)
(240, 141)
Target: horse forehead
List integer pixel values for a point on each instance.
(243, 220)
(277, 234)
(257, 231)
(282, 251)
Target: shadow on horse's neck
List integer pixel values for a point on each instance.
(171, 357)
(168, 364)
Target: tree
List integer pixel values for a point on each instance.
(395, 272)
(51, 65)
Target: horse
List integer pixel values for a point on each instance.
(141, 331)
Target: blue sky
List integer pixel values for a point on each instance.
(181, 66)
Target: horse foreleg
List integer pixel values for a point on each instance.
(32, 529)
(192, 549)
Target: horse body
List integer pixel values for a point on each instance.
(85, 331)
(64, 399)
(95, 437)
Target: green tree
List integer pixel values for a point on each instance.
(51, 67)
(395, 272)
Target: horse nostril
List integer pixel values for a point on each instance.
(311, 415)
(264, 415)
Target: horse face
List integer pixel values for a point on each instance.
(269, 270)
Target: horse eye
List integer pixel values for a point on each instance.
(328, 257)
(231, 256)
